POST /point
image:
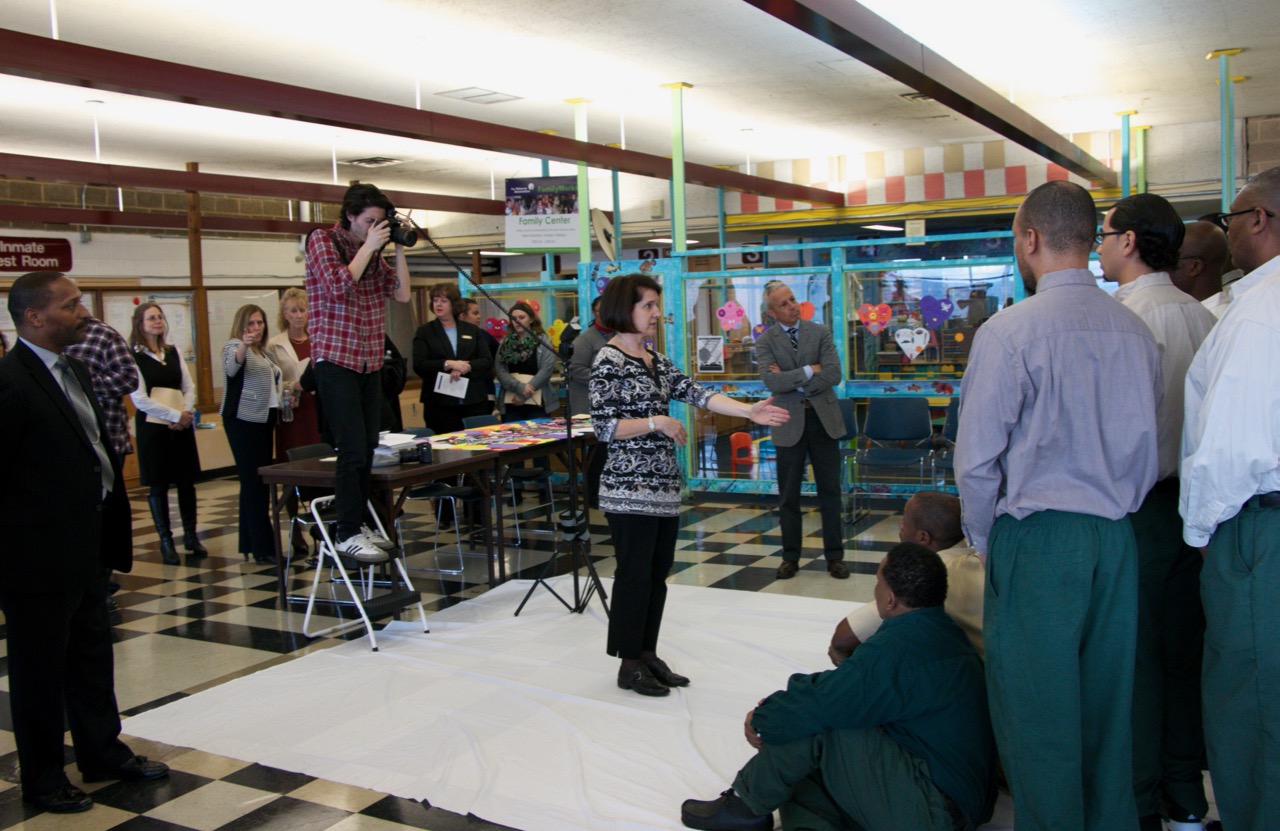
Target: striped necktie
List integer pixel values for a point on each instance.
(84, 410)
(794, 334)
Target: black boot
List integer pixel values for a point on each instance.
(187, 507)
(160, 515)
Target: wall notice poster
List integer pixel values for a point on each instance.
(542, 214)
(710, 353)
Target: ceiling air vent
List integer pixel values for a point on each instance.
(478, 95)
(374, 161)
(915, 97)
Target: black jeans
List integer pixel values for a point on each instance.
(823, 452)
(251, 447)
(645, 547)
(352, 404)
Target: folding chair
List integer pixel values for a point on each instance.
(439, 492)
(898, 433)
(944, 461)
(303, 495)
(365, 602)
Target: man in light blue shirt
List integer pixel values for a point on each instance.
(1056, 446)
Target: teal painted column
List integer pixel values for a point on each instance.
(724, 243)
(548, 260)
(1126, 164)
(678, 223)
(1227, 127)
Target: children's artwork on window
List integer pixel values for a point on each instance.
(934, 310)
(875, 318)
(730, 315)
(911, 341)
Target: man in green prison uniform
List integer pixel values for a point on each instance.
(896, 737)
(1056, 447)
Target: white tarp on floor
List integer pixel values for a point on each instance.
(519, 720)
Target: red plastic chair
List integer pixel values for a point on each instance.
(741, 452)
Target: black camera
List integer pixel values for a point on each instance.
(402, 233)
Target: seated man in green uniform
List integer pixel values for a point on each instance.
(897, 737)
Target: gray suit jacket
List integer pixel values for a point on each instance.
(816, 346)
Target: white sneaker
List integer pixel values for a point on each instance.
(376, 539)
(361, 549)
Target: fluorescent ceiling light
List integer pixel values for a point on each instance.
(882, 227)
(501, 253)
(669, 240)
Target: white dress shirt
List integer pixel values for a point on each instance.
(1231, 435)
(1179, 324)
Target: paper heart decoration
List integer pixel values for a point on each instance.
(912, 341)
(731, 315)
(533, 304)
(496, 327)
(934, 310)
(806, 310)
(875, 318)
(555, 331)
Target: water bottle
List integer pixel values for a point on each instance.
(286, 403)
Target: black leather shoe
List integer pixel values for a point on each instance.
(641, 680)
(137, 769)
(727, 813)
(664, 674)
(788, 569)
(837, 569)
(65, 800)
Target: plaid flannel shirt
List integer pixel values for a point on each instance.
(114, 374)
(346, 318)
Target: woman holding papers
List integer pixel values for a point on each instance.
(524, 369)
(448, 355)
(630, 390)
(167, 454)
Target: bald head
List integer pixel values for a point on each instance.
(1254, 237)
(1202, 260)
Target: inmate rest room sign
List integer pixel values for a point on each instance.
(23, 254)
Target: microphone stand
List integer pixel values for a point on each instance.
(572, 522)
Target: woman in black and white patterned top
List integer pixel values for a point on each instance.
(630, 389)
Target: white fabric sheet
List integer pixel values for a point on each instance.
(519, 720)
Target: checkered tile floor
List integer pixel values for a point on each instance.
(187, 628)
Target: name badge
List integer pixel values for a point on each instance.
(466, 337)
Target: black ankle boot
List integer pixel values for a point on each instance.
(190, 541)
(160, 515)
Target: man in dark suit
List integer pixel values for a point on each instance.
(799, 365)
(66, 522)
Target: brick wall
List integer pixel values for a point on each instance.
(1262, 143)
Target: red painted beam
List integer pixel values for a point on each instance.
(29, 215)
(62, 170)
(862, 34)
(31, 56)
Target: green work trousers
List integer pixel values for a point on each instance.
(1240, 587)
(843, 779)
(1060, 623)
(1168, 733)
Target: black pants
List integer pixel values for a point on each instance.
(251, 447)
(59, 646)
(353, 410)
(645, 547)
(823, 452)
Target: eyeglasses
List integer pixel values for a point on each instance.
(1098, 237)
(1223, 220)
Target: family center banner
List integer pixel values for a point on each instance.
(542, 214)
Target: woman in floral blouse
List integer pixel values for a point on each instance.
(630, 388)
